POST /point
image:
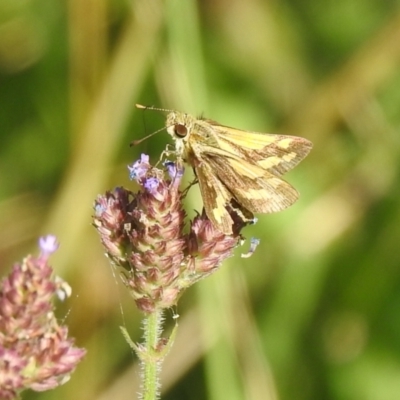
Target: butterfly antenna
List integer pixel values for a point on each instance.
(136, 142)
(141, 107)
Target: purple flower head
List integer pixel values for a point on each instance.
(139, 168)
(35, 350)
(48, 245)
(144, 234)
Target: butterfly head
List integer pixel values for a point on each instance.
(179, 125)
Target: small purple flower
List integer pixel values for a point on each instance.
(139, 168)
(171, 168)
(174, 171)
(48, 245)
(254, 242)
(151, 185)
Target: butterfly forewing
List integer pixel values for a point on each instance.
(275, 153)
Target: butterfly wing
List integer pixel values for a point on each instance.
(240, 171)
(257, 190)
(215, 197)
(274, 153)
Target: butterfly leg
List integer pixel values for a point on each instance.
(165, 153)
(192, 183)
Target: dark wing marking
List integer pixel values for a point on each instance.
(252, 187)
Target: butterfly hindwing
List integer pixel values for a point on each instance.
(215, 198)
(252, 187)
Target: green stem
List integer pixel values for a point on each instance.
(152, 353)
(151, 359)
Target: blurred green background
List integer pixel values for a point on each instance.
(315, 312)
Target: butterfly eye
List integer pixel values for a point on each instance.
(180, 130)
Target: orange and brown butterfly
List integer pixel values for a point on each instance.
(239, 172)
